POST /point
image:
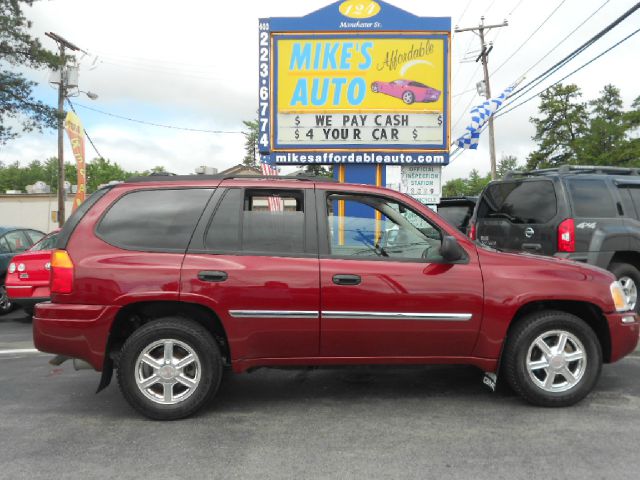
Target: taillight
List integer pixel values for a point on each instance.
(61, 272)
(567, 236)
(472, 231)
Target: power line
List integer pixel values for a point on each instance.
(566, 37)
(570, 74)
(530, 36)
(463, 93)
(475, 72)
(85, 132)
(173, 127)
(550, 71)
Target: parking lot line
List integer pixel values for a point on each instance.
(19, 351)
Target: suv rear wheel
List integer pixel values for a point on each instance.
(169, 368)
(552, 359)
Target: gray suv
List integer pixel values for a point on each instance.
(586, 214)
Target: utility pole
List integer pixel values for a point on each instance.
(62, 94)
(481, 30)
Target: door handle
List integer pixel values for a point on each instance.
(212, 276)
(347, 279)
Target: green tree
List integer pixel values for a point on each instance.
(101, 171)
(455, 188)
(473, 185)
(506, 164)
(604, 140)
(19, 49)
(318, 171)
(562, 121)
(251, 153)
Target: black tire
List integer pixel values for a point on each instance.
(374, 87)
(521, 338)
(6, 305)
(186, 332)
(625, 270)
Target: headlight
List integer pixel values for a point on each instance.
(12, 267)
(619, 297)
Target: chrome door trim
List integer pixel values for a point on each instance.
(18, 286)
(274, 313)
(443, 317)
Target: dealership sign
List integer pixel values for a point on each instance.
(359, 81)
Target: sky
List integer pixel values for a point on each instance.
(194, 64)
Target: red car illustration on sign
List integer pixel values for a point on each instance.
(408, 90)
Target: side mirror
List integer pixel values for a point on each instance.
(450, 250)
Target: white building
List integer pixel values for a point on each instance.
(37, 211)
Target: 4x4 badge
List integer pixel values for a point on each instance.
(528, 232)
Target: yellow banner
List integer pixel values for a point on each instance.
(342, 75)
(75, 132)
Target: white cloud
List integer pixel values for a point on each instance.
(194, 63)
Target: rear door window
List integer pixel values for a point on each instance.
(262, 222)
(154, 220)
(273, 222)
(591, 198)
(525, 202)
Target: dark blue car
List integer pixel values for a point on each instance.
(13, 240)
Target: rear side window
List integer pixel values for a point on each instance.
(154, 220)
(591, 198)
(519, 202)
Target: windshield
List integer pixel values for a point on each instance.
(47, 243)
(457, 215)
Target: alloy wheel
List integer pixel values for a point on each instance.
(630, 291)
(168, 371)
(556, 361)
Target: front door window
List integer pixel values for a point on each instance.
(376, 227)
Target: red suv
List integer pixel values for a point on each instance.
(170, 280)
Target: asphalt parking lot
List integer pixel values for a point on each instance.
(433, 422)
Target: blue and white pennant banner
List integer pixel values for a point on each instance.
(479, 116)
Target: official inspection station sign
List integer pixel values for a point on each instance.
(359, 81)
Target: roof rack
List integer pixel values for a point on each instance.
(183, 178)
(575, 169)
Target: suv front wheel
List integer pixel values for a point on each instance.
(629, 278)
(552, 359)
(169, 368)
